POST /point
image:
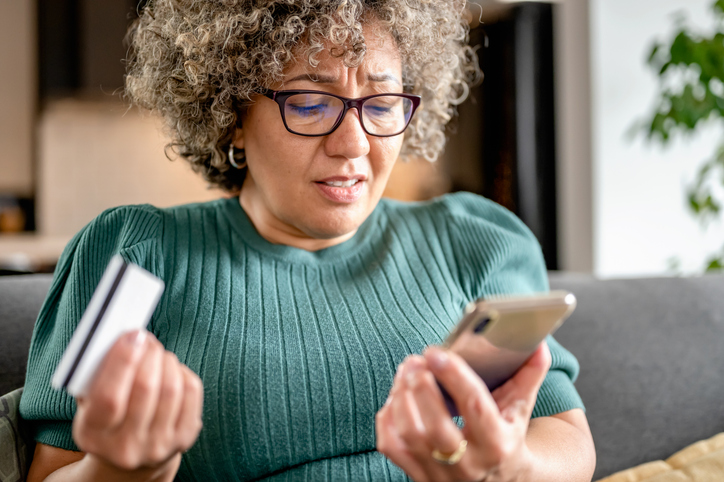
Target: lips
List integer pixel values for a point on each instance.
(342, 189)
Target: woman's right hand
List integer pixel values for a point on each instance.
(142, 409)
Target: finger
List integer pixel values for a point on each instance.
(411, 362)
(170, 398)
(188, 423)
(442, 432)
(390, 444)
(104, 406)
(144, 392)
(413, 430)
(389, 441)
(471, 396)
(408, 422)
(516, 398)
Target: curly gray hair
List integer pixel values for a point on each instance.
(198, 63)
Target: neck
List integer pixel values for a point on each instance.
(277, 232)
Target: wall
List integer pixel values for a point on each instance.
(17, 95)
(97, 155)
(640, 218)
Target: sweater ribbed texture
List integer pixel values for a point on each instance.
(297, 350)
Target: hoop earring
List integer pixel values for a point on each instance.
(232, 161)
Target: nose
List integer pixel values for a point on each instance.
(349, 140)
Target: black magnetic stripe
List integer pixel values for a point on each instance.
(97, 322)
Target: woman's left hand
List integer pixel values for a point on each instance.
(414, 422)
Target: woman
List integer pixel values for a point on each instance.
(290, 306)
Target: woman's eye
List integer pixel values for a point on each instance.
(308, 110)
(380, 110)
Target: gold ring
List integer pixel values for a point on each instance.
(453, 458)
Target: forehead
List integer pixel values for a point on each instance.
(381, 55)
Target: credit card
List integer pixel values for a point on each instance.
(123, 301)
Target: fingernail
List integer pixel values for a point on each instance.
(437, 358)
(412, 379)
(136, 339)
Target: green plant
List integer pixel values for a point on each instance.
(696, 62)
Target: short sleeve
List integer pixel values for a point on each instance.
(495, 253)
(131, 231)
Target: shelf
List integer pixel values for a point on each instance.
(30, 252)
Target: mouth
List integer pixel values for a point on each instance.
(342, 189)
(349, 183)
(342, 181)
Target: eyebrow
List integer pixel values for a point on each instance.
(383, 78)
(325, 79)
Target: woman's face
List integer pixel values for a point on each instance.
(289, 192)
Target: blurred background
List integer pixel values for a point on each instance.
(576, 128)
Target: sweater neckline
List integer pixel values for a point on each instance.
(241, 223)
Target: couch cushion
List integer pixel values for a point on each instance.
(651, 354)
(700, 462)
(20, 300)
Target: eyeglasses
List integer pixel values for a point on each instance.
(312, 113)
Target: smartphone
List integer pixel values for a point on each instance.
(497, 335)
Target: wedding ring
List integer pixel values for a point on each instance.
(453, 458)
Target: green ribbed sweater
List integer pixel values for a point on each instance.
(297, 350)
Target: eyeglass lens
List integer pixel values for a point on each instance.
(318, 113)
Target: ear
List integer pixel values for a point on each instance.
(238, 138)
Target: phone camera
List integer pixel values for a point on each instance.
(481, 325)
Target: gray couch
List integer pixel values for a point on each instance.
(651, 354)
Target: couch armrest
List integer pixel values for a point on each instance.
(20, 301)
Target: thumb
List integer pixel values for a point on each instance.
(516, 397)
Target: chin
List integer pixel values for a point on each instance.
(332, 232)
(330, 227)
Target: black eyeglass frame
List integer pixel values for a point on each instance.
(281, 96)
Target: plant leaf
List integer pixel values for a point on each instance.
(715, 264)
